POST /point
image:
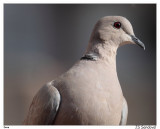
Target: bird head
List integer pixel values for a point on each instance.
(114, 30)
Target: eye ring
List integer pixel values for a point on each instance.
(117, 25)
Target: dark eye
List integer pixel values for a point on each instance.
(117, 25)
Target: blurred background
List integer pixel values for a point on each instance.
(41, 41)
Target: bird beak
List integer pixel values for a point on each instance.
(137, 41)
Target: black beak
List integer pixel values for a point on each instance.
(137, 41)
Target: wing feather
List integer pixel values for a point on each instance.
(44, 106)
(124, 114)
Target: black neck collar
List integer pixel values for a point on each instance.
(91, 56)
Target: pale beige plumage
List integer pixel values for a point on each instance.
(89, 93)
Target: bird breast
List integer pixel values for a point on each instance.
(89, 99)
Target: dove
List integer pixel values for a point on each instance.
(89, 93)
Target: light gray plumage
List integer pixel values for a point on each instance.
(89, 93)
(44, 106)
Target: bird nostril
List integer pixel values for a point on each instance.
(137, 41)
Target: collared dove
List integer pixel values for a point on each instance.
(89, 93)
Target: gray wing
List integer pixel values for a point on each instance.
(124, 114)
(44, 106)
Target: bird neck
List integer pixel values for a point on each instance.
(105, 51)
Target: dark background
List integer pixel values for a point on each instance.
(43, 41)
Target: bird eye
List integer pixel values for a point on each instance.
(117, 25)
